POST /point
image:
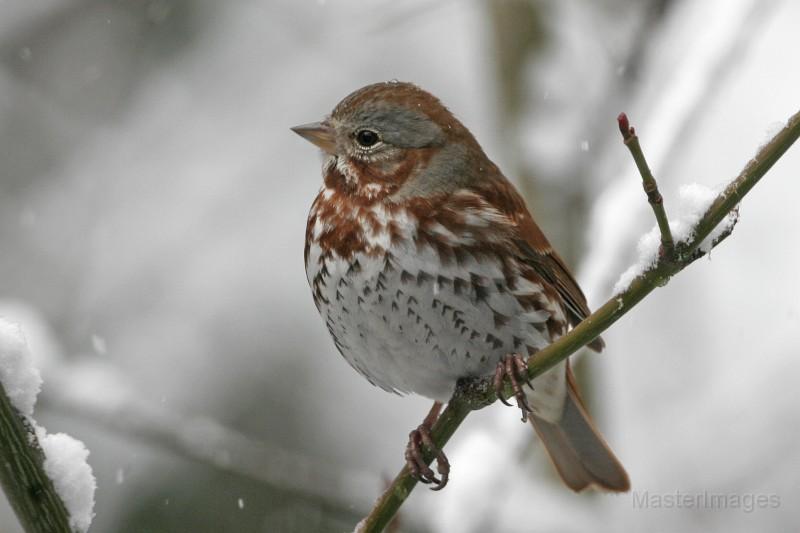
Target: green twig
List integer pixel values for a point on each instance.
(476, 394)
(649, 184)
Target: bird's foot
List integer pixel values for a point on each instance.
(421, 438)
(514, 367)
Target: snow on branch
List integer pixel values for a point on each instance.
(45, 477)
(693, 201)
(708, 220)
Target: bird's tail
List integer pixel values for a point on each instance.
(578, 451)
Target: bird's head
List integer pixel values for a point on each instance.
(394, 138)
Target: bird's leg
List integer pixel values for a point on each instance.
(422, 437)
(514, 367)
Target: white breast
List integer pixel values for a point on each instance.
(410, 323)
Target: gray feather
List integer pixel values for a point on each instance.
(398, 126)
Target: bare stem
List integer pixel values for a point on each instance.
(648, 183)
(477, 394)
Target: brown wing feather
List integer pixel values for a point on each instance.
(537, 250)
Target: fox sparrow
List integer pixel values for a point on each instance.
(427, 267)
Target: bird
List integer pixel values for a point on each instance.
(428, 268)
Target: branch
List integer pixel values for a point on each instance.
(476, 394)
(29, 490)
(649, 184)
(694, 87)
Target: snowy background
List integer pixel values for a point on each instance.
(152, 210)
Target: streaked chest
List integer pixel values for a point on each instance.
(414, 314)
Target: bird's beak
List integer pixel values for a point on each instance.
(319, 133)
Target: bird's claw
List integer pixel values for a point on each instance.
(416, 463)
(515, 368)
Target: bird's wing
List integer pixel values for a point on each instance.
(537, 251)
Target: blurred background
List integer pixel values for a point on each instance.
(152, 212)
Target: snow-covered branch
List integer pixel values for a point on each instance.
(651, 271)
(45, 477)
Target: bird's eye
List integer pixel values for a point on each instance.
(367, 138)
